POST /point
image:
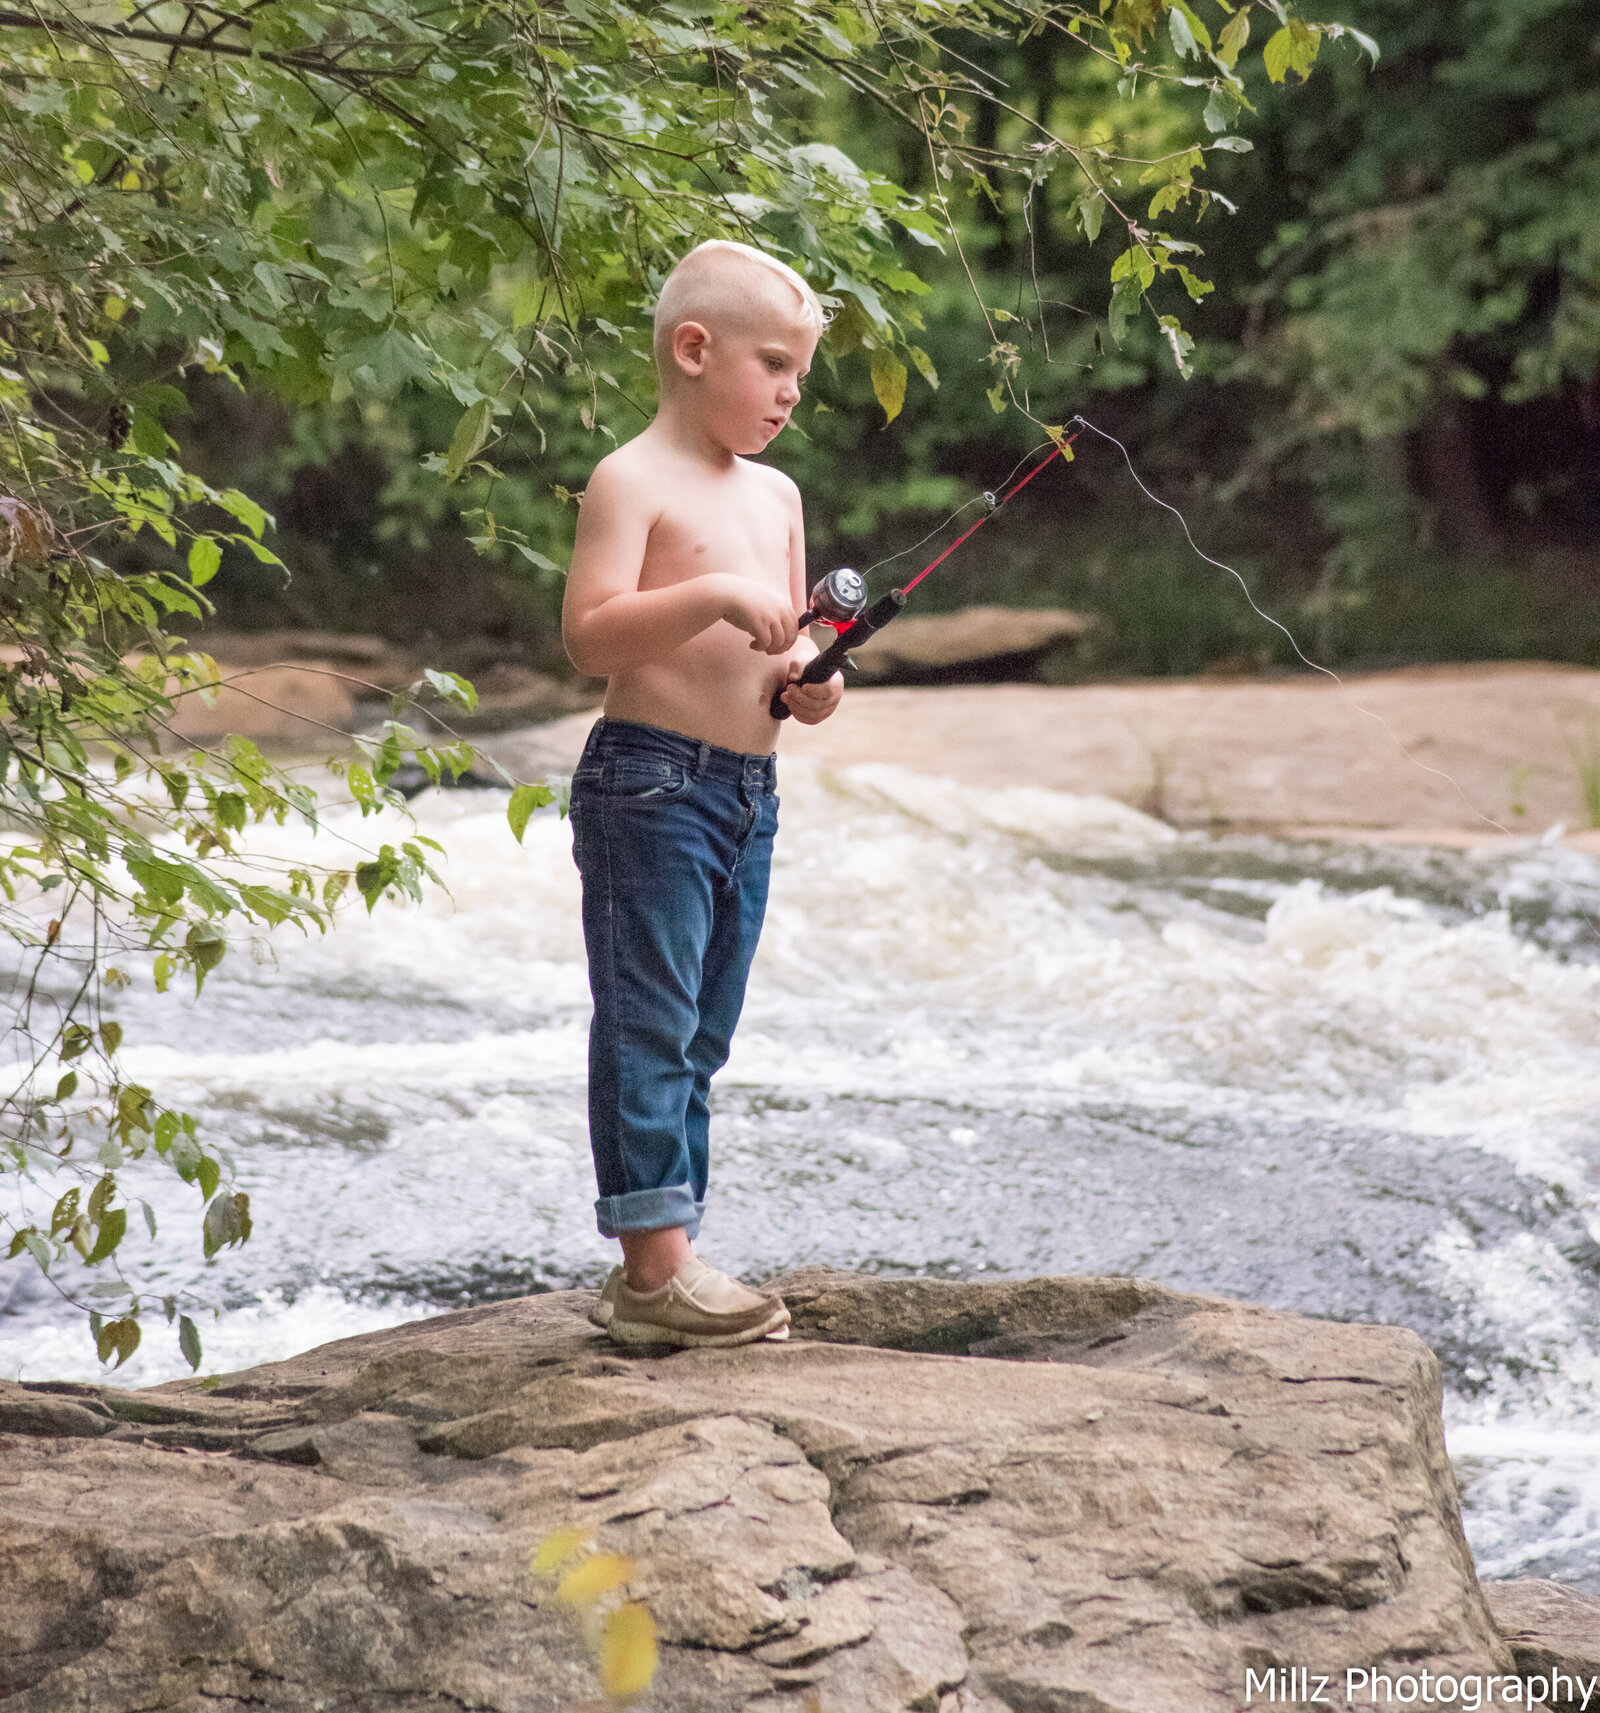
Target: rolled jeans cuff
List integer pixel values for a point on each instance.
(649, 1210)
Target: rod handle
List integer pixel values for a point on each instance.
(836, 655)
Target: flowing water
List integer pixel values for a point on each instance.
(989, 1032)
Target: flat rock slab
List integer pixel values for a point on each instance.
(1048, 1496)
(1496, 740)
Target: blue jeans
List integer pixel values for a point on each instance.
(673, 840)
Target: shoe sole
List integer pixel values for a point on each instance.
(651, 1332)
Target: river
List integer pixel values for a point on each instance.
(989, 1032)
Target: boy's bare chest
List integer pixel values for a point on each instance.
(703, 531)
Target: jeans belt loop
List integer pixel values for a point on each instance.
(704, 760)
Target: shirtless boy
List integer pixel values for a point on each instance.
(687, 578)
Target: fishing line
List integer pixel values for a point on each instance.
(1062, 444)
(1316, 666)
(1562, 885)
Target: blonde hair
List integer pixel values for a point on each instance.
(721, 280)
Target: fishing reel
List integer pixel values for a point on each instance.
(860, 623)
(836, 599)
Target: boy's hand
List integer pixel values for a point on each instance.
(765, 616)
(811, 704)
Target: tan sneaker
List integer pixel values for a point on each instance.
(600, 1315)
(697, 1306)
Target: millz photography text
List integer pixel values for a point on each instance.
(1361, 1687)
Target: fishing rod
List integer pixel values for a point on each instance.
(840, 598)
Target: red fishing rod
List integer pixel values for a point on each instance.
(840, 599)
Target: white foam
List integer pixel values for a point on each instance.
(270, 1329)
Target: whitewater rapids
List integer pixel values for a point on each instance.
(1006, 1031)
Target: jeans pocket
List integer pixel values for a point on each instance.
(636, 779)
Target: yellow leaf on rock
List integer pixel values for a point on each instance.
(587, 1582)
(628, 1652)
(556, 1549)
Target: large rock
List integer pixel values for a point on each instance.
(302, 686)
(977, 645)
(1055, 1496)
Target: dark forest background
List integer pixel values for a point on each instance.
(1392, 430)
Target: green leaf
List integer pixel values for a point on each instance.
(113, 1225)
(374, 878)
(148, 436)
(189, 1341)
(205, 559)
(1235, 34)
(888, 383)
(1293, 48)
(207, 946)
(1168, 197)
(1234, 145)
(119, 1338)
(1220, 110)
(1124, 306)
(227, 1221)
(1190, 37)
(388, 360)
(209, 1175)
(533, 556)
(453, 687)
(240, 506)
(1359, 37)
(467, 441)
(524, 800)
(1091, 207)
(1179, 343)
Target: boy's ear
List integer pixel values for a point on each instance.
(689, 342)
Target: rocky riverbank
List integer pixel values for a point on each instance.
(1050, 1496)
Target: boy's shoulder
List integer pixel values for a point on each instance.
(641, 461)
(629, 459)
(783, 483)
(775, 482)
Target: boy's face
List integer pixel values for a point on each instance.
(745, 380)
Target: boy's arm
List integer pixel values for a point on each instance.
(809, 703)
(610, 624)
